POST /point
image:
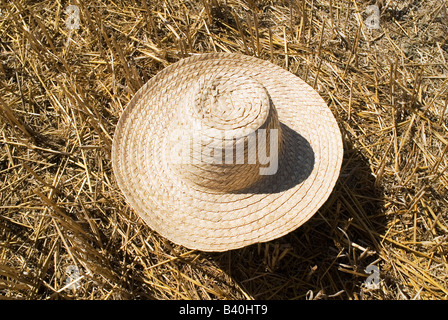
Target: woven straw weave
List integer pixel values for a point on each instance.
(214, 206)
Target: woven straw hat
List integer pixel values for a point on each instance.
(219, 151)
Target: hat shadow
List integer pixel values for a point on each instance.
(295, 152)
(318, 259)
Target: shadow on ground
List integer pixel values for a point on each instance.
(325, 258)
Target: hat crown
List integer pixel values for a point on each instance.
(229, 129)
(236, 105)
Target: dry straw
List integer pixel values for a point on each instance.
(223, 205)
(62, 91)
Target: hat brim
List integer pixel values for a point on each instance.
(208, 220)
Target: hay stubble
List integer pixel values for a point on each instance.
(61, 94)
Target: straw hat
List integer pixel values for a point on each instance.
(219, 151)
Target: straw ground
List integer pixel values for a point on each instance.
(65, 230)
